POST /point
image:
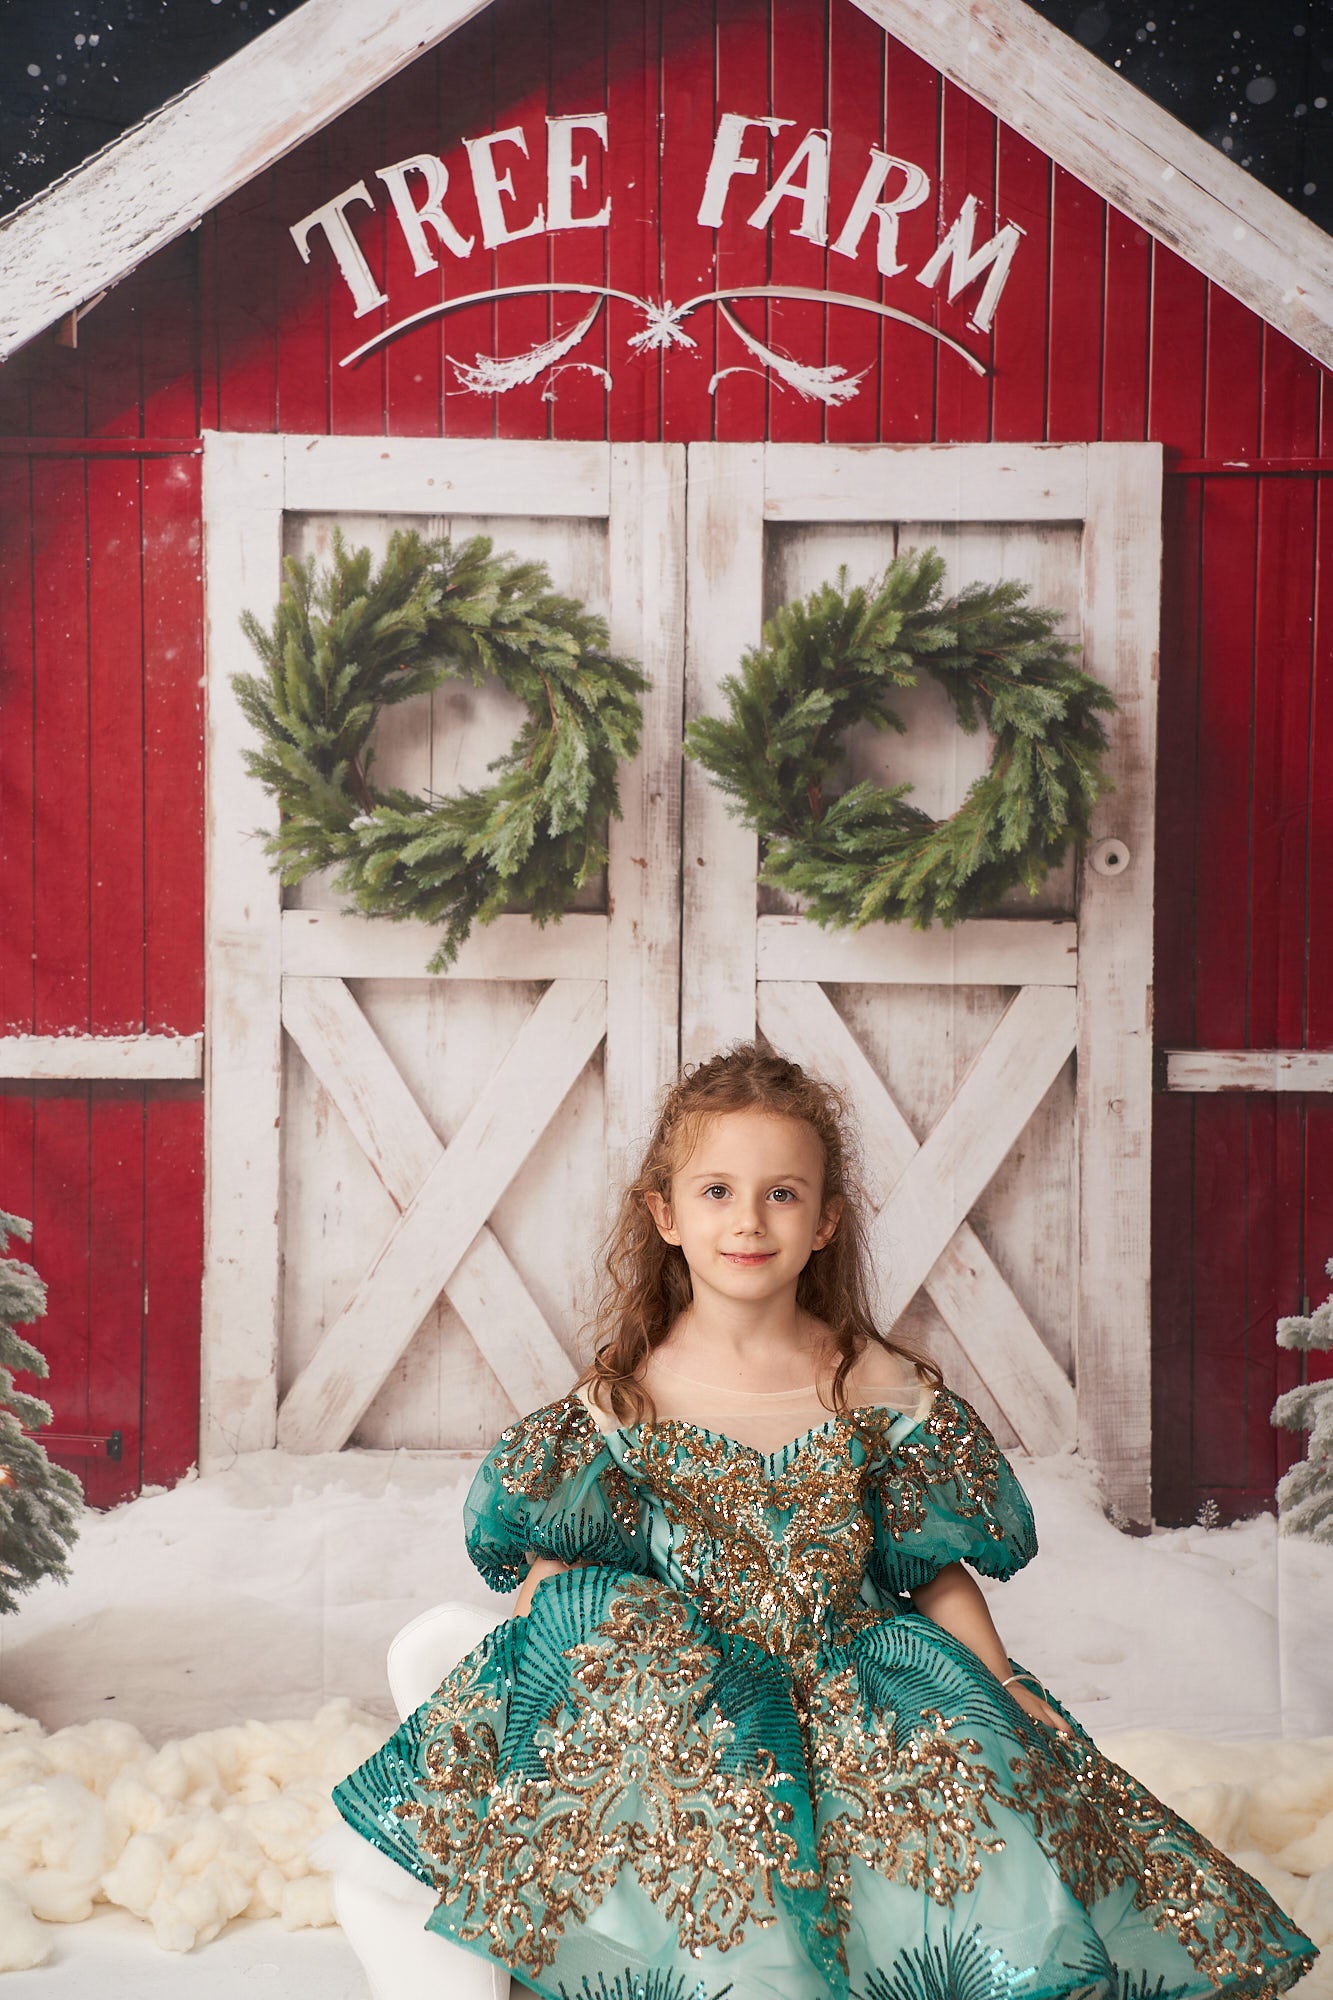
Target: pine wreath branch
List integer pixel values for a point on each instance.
(832, 659)
(352, 639)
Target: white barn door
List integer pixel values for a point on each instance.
(407, 1175)
(1002, 1071)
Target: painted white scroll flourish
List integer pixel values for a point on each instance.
(663, 327)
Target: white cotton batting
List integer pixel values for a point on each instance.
(187, 1837)
(23, 1941)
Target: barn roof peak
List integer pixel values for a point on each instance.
(96, 224)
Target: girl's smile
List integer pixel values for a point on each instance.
(746, 1208)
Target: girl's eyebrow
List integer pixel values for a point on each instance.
(799, 1179)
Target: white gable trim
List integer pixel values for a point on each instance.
(1174, 184)
(92, 227)
(99, 222)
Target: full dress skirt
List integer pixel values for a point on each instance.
(724, 1755)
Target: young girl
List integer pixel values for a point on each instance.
(751, 1731)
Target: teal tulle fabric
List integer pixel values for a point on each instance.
(725, 1758)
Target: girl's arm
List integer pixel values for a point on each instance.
(953, 1600)
(542, 1567)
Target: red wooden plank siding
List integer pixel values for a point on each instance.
(173, 1272)
(907, 369)
(685, 250)
(578, 256)
(1176, 353)
(61, 831)
(1074, 372)
(1319, 828)
(1173, 987)
(1023, 196)
(633, 86)
(61, 1209)
(967, 167)
(410, 124)
(467, 108)
(856, 115)
(300, 185)
(800, 92)
(1126, 322)
(740, 254)
(243, 248)
(353, 148)
(17, 775)
(1282, 690)
(522, 57)
(114, 391)
(173, 746)
(169, 343)
(116, 748)
(116, 1289)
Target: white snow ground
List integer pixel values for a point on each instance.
(268, 1590)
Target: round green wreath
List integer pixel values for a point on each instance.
(351, 640)
(829, 660)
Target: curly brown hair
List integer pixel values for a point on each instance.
(648, 1279)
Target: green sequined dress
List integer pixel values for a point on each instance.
(725, 1756)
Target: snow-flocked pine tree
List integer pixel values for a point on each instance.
(1305, 1494)
(39, 1502)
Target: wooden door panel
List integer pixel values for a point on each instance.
(1002, 1069)
(434, 1146)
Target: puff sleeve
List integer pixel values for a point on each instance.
(550, 1487)
(941, 1491)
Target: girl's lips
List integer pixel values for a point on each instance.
(748, 1256)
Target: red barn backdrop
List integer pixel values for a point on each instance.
(1087, 328)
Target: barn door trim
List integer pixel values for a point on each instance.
(612, 978)
(1085, 987)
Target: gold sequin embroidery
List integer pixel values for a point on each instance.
(1101, 1827)
(953, 1448)
(746, 1573)
(633, 1779)
(912, 1805)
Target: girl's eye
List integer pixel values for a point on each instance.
(784, 1194)
(716, 1188)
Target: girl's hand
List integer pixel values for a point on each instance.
(1032, 1704)
(542, 1567)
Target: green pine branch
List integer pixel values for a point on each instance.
(39, 1502)
(352, 639)
(831, 660)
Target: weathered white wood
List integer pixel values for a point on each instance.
(461, 476)
(725, 527)
(75, 1058)
(971, 1295)
(925, 482)
(330, 944)
(1174, 184)
(1260, 1070)
(986, 951)
(1122, 582)
(987, 1114)
(352, 1064)
(354, 1067)
(436, 1228)
(647, 540)
(242, 513)
(94, 225)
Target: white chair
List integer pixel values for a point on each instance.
(381, 1908)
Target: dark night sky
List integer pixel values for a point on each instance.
(1255, 77)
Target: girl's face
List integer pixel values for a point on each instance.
(747, 1207)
